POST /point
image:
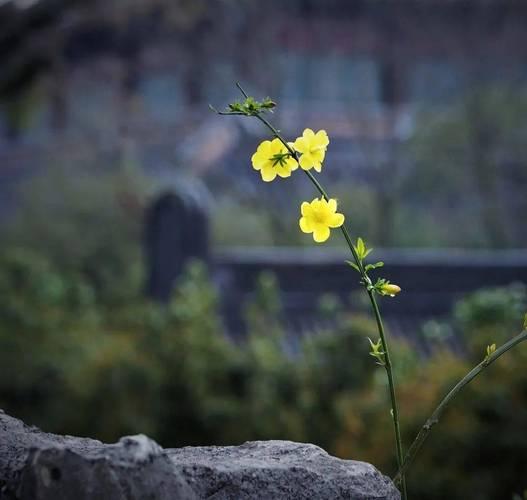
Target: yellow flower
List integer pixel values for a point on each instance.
(318, 216)
(313, 148)
(272, 159)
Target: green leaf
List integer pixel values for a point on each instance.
(369, 267)
(268, 103)
(360, 247)
(249, 107)
(352, 264)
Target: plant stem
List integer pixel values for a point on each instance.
(371, 294)
(391, 385)
(436, 415)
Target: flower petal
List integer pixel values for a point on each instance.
(305, 225)
(336, 220)
(300, 145)
(268, 174)
(319, 155)
(308, 134)
(332, 204)
(258, 161)
(283, 171)
(306, 209)
(276, 145)
(322, 138)
(321, 233)
(291, 163)
(264, 148)
(306, 162)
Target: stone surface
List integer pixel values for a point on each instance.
(40, 466)
(35, 465)
(278, 470)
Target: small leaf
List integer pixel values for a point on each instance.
(490, 350)
(352, 264)
(360, 247)
(268, 103)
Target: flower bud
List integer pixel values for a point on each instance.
(491, 349)
(390, 289)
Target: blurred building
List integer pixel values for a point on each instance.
(94, 71)
(97, 82)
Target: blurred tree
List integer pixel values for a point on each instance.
(88, 224)
(470, 161)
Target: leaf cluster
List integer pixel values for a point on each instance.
(248, 107)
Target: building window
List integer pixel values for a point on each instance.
(434, 82)
(330, 77)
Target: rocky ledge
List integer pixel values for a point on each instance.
(35, 465)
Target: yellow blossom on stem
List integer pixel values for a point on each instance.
(318, 217)
(313, 149)
(272, 158)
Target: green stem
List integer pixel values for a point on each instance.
(367, 283)
(391, 385)
(436, 415)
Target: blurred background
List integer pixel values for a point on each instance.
(150, 282)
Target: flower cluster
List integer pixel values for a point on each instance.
(277, 159)
(274, 158)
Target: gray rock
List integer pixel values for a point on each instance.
(40, 466)
(35, 465)
(278, 470)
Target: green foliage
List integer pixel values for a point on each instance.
(333, 365)
(484, 427)
(249, 107)
(461, 156)
(87, 222)
(72, 365)
(247, 217)
(360, 248)
(490, 316)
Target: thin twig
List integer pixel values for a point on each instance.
(436, 415)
